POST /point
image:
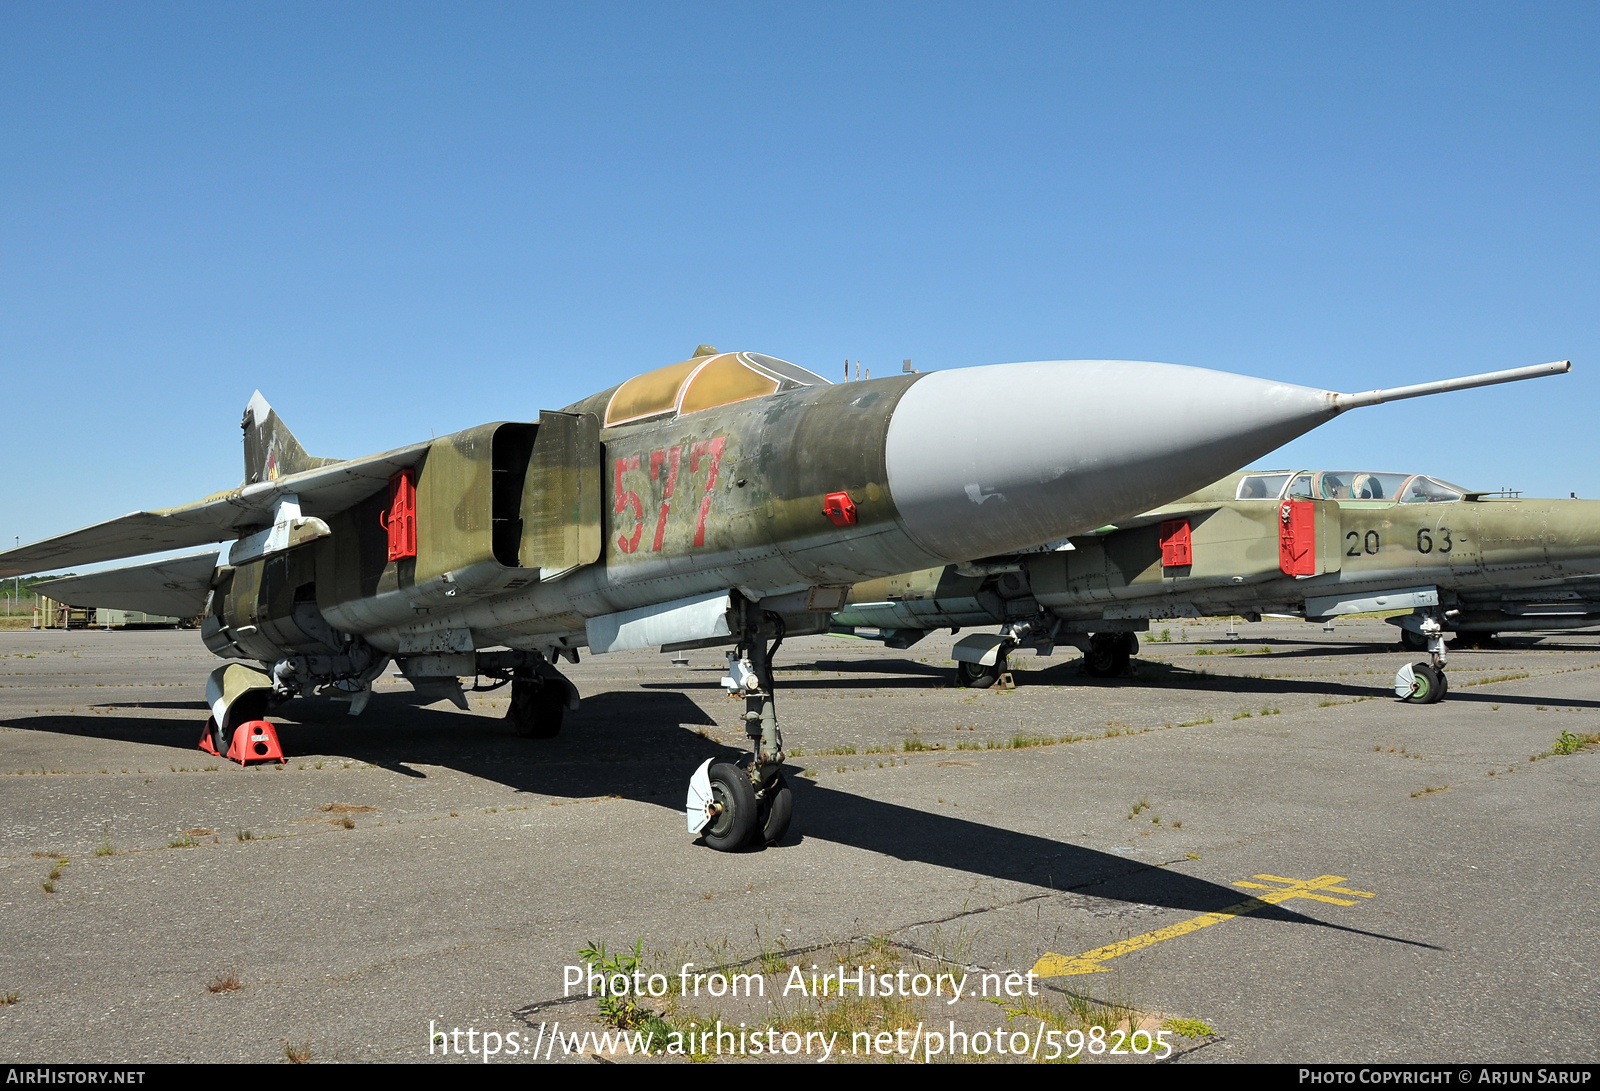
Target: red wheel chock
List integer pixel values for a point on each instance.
(255, 740)
(205, 739)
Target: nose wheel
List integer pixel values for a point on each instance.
(725, 808)
(1420, 684)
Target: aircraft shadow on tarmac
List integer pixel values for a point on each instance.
(906, 674)
(641, 746)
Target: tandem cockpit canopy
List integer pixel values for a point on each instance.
(1348, 485)
(709, 379)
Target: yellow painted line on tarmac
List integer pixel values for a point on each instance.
(1319, 889)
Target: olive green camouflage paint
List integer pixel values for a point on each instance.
(1467, 546)
(774, 459)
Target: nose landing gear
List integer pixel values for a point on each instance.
(1425, 683)
(748, 804)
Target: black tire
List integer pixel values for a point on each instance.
(978, 676)
(1425, 687)
(731, 787)
(1413, 642)
(1107, 656)
(537, 709)
(1444, 686)
(775, 810)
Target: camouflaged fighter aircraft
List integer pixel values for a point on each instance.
(1309, 544)
(729, 499)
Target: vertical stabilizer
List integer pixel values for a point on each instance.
(270, 449)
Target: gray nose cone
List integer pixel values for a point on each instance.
(986, 460)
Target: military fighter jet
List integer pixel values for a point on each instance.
(729, 499)
(1309, 544)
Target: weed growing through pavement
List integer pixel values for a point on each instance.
(625, 1012)
(224, 983)
(1568, 743)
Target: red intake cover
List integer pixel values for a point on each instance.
(1297, 528)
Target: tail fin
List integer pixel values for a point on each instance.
(270, 449)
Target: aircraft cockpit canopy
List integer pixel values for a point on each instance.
(1348, 485)
(704, 382)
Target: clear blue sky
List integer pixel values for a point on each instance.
(401, 218)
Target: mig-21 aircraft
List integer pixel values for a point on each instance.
(1309, 544)
(729, 499)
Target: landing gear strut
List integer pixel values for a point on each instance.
(747, 804)
(1424, 683)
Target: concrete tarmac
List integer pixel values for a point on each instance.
(421, 864)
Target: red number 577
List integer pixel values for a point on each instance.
(664, 465)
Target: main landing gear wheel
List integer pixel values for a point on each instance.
(1108, 655)
(537, 708)
(978, 676)
(1413, 642)
(734, 799)
(249, 706)
(1420, 684)
(773, 811)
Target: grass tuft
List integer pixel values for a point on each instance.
(1188, 1028)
